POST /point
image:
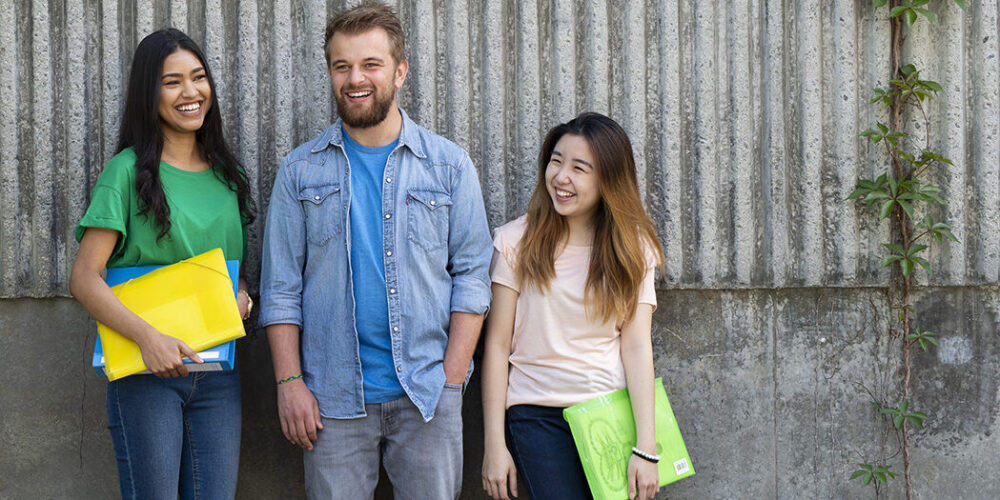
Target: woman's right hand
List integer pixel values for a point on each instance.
(162, 355)
(499, 472)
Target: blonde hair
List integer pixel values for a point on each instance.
(364, 17)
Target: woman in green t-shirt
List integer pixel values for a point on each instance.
(173, 191)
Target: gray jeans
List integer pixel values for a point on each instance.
(423, 459)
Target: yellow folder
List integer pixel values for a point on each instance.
(191, 300)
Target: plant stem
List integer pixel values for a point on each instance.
(896, 113)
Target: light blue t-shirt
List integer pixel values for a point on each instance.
(371, 308)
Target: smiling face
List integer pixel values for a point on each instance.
(571, 179)
(185, 93)
(364, 76)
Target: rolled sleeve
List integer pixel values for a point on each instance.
(470, 247)
(283, 255)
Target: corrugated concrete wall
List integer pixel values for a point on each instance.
(744, 115)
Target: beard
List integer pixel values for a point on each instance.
(365, 116)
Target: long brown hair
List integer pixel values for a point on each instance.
(624, 235)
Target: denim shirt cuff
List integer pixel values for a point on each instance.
(469, 295)
(279, 315)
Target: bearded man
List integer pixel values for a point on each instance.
(374, 280)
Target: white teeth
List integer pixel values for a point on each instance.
(359, 94)
(564, 194)
(190, 107)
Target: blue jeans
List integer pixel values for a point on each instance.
(422, 459)
(544, 453)
(176, 436)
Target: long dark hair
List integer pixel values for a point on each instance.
(625, 240)
(142, 131)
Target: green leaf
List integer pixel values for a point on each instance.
(934, 86)
(932, 340)
(907, 267)
(907, 207)
(928, 14)
(898, 10)
(907, 69)
(882, 127)
(858, 473)
(893, 247)
(911, 17)
(875, 196)
(961, 4)
(916, 248)
(877, 4)
(923, 263)
(890, 259)
(886, 209)
(897, 421)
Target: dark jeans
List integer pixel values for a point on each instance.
(544, 453)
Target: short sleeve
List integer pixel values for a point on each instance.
(109, 200)
(505, 244)
(647, 291)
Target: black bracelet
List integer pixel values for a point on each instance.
(645, 456)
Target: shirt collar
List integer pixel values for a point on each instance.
(409, 136)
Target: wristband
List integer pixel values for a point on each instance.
(645, 456)
(289, 379)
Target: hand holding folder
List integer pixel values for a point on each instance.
(192, 300)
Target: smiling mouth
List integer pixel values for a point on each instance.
(564, 194)
(361, 94)
(193, 107)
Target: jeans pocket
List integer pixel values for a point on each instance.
(428, 212)
(323, 211)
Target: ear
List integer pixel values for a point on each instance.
(401, 70)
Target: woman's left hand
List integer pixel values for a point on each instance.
(643, 479)
(242, 303)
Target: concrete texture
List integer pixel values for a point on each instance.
(770, 388)
(744, 116)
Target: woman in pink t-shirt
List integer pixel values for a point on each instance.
(572, 309)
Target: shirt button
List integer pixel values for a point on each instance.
(398, 369)
(392, 290)
(433, 203)
(395, 328)
(388, 216)
(389, 253)
(388, 179)
(316, 198)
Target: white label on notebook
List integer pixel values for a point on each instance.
(209, 355)
(681, 466)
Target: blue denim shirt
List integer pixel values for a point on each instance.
(437, 251)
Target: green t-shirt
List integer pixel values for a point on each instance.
(204, 214)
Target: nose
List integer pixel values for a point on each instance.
(356, 76)
(562, 175)
(189, 89)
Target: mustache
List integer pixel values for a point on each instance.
(358, 89)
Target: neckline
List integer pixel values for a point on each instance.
(182, 171)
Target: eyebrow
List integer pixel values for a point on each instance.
(372, 58)
(578, 160)
(178, 75)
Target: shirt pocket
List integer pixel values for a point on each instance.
(323, 210)
(428, 212)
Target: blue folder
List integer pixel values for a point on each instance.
(218, 358)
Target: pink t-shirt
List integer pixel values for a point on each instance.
(559, 357)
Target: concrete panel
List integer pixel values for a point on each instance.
(744, 117)
(771, 389)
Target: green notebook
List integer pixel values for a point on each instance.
(604, 431)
